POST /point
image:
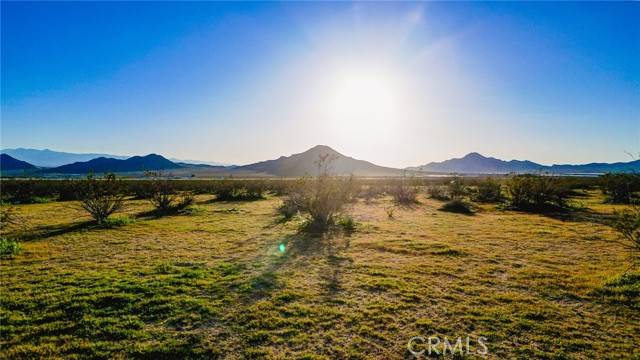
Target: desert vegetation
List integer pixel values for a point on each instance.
(264, 263)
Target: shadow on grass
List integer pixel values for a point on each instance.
(43, 232)
(297, 250)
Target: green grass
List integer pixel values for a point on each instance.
(231, 281)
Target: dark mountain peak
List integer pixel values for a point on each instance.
(7, 162)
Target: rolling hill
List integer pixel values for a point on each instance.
(9, 163)
(103, 164)
(305, 164)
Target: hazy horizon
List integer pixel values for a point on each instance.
(396, 84)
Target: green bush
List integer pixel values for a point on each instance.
(117, 221)
(436, 192)
(488, 191)
(627, 224)
(538, 193)
(321, 199)
(456, 188)
(403, 192)
(9, 247)
(100, 197)
(620, 188)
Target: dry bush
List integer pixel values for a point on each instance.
(436, 192)
(404, 192)
(100, 197)
(320, 200)
(456, 188)
(488, 191)
(538, 193)
(627, 223)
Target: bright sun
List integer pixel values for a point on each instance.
(364, 101)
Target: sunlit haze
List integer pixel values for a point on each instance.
(396, 84)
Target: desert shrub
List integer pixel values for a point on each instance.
(229, 190)
(9, 247)
(390, 211)
(347, 223)
(529, 192)
(488, 190)
(370, 192)
(456, 188)
(457, 205)
(627, 224)
(403, 192)
(321, 199)
(291, 205)
(620, 188)
(100, 197)
(436, 192)
(163, 196)
(117, 221)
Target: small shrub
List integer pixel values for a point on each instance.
(8, 216)
(456, 188)
(117, 221)
(347, 223)
(404, 193)
(321, 199)
(539, 193)
(291, 206)
(390, 212)
(488, 191)
(100, 197)
(457, 205)
(437, 193)
(9, 247)
(627, 224)
(620, 188)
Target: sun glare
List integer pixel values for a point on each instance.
(364, 100)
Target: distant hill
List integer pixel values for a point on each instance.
(150, 162)
(51, 158)
(305, 164)
(9, 163)
(474, 163)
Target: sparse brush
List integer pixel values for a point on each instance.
(390, 212)
(537, 193)
(320, 199)
(488, 191)
(117, 221)
(627, 224)
(436, 192)
(620, 188)
(403, 192)
(347, 223)
(457, 205)
(456, 188)
(100, 197)
(291, 205)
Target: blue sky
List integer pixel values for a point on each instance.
(398, 84)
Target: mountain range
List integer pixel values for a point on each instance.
(304, 163)
(51, 158)
(474, 163)
(103, 165)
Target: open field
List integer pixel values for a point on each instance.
(229, 280)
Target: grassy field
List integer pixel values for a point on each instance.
(231, 281)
